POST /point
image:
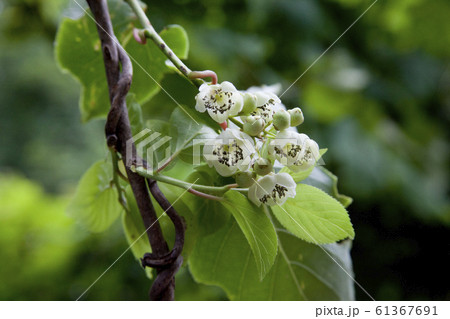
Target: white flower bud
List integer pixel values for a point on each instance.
(229, 152)
(249, 103)
(294, 150)
(273, 189)
(220, 100)
(296, 116)
(262, 166)
(253, 126)
(245, 179)
(281, 120)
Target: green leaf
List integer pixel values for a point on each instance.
(301, 271)
(95, 203)
(184, 128)
(322, 178)
(78, 51)
(314, 216)
(257, 228)
(299, 176)
(177, 39)
(187, 125)
(154, 144)
(187, 128)
(211, 215)
(149, 62)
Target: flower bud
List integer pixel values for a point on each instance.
(281, 120)
(262, 166)
(270, 156)
(245, 179)
(249, 118)
(253, 126)
(249, 103)
(296, 116)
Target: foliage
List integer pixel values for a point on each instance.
(45, 235)
(315, 217)
(95, 203)
(301, 271)
(378, 129)
(78, 51)
(48, 255)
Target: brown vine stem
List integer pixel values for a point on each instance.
(117, 129)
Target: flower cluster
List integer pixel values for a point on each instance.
(259, 138)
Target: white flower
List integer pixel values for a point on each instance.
(229, 152)
(272, 189)
(267, 100)
(266, 103)
(220, 100)
(294, 150)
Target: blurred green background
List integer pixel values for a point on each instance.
(379, 100)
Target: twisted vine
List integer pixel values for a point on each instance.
(119, 73)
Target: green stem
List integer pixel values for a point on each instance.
(207, 196)
(241, 190)
(116, 172)
(232, 119)
(176, 182)
(151, 33)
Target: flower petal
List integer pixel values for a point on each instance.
(238, 100)
(252, 194)
(286, 180)
(200, 105)
(228, 86)
(217, 116)
(225, 170)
